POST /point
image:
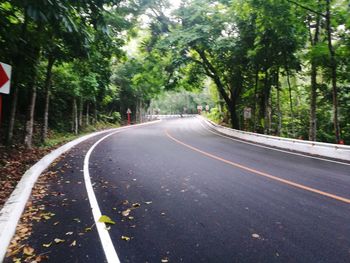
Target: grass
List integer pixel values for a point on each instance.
(58, 138)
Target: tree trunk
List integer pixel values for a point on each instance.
(264, 102)
(234, 116)
(95, 112)
(28, 137)
(291, 103)
(313, 92)
(81, 105)
(47, 87)
(256, 97)
(12, 113)
(279, 113)
(87, 113)
(313, 97)
(75, 116)
(212, 73)
(333, 67)
(30, 118)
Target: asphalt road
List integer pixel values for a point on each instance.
(195, 196)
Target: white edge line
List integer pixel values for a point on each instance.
(14, 206)
(107, 244)
(270, 148)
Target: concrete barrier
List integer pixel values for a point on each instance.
(169, 116)
(335, 151)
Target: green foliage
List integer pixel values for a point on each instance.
(227, 54)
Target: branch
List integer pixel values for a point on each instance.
(306, 8)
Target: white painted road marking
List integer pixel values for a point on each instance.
(106, 241)
(107, 244)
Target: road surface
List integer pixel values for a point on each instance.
(183, 193)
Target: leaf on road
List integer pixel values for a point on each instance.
(125, 238)
(47, 245)
(125, 202)
(148, 203)
(77, 220)
(106, 220)
(57, 240)
(69, 233)
(165, 260)
(255, 235)
(73, 244)
(56, 223)
(131, 218)
(126, 212)
(28, 251)
(135, 205)
(47, 216)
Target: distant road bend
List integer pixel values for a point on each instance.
(206, 198)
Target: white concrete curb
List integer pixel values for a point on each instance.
(14, 206)
(336, 151)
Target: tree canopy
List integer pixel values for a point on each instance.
(286, 61)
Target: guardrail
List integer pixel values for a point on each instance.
(336, 151)
(170, 116)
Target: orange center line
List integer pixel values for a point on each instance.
(257, 172)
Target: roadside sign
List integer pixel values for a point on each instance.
(247, 113)
(199, 108)
(5, 77)
(128, 112)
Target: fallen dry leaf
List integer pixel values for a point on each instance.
(57, 240)
(28, 251)
(255, 236)
(47, 245)
(126, 212)
(73, 244)
(125, 238)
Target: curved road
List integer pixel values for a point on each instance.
(183, 193)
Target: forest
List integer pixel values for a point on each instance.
(81, 64)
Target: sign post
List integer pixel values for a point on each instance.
(128, 112)
(5, 77)
(247, 114)
(199, 109)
